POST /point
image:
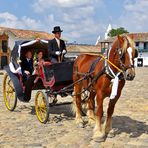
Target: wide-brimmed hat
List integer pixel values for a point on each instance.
(57, 29)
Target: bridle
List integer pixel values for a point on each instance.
(122, 55)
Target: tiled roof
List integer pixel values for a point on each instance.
(143, 37)
(83, 48)
(26, 34)
(138, 37)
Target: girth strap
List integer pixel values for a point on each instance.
(93, 64)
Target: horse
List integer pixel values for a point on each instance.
(118, 65)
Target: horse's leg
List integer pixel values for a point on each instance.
(99, 135)
(110, 110)
(108, 122)
(77, 103)
(91, 108)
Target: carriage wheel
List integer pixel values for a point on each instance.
(10, 98)
(42, 107)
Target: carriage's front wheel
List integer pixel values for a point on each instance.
(42, 107)
(9, 93)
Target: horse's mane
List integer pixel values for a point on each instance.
(127, 40)
(130, 41)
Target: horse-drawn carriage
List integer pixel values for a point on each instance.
(92, 73)
(49, 81)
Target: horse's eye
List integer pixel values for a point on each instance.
(120, 52)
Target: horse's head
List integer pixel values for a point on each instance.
(127, 53)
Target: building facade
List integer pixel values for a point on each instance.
(77, 49)
(141, 42)
(4, 50)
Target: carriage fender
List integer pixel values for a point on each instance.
(16, 83)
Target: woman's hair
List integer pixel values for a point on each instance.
(40, 51)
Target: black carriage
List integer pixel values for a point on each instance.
(50, 81)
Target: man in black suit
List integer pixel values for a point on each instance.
(27, 65)
(57, 48)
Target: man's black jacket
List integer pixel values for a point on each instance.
(53, 47)
(27, 65)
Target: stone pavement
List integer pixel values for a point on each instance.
(21, 129)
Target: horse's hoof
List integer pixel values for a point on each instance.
(110, 135)
(99, 139)
(80, 125)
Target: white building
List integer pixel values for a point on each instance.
(141, 41)
(109, 28)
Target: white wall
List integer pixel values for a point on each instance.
(141, 45)
(11, 40)
(144, 56)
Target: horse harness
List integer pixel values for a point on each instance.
(105, 70)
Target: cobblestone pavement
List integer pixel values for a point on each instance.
(21, 129)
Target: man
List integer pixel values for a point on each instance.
(27, 65)
(57, 48)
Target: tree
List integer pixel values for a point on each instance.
(115, 32)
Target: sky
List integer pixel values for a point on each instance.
(82, 21)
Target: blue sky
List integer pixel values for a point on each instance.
(82, 20)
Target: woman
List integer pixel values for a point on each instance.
(39, 62)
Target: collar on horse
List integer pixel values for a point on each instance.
(108, 70)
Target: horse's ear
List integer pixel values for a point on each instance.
(132, 36)
(120, 38)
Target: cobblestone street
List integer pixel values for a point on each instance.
(21, 129)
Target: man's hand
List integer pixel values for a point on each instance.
(64, 51)
(38, 39)
(27, 72)
(57, 52)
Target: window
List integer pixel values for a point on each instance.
(137, 44)
(3, 61)
(4, 45)
(145, 45)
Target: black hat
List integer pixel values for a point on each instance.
(57, 29)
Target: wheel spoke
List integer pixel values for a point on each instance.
(42, 115)
(9, 93)
(42, 110)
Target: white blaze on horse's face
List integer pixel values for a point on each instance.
(130, 73)
(129, 50)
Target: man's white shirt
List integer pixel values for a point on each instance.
(58, 42)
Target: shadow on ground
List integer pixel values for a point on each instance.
(61, 108)
(130, 126)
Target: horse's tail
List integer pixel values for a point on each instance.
(84, 107)
(83, 110)
(73, 108)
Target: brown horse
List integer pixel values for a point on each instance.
(120, 67)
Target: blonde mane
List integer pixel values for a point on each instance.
(125, 45)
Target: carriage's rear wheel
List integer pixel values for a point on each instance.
(9, 93)
(42, 106)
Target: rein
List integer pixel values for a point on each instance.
(120, 70)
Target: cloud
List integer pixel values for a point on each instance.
(135, 16)
(76, 17)
(43, 5)
(10, 20)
